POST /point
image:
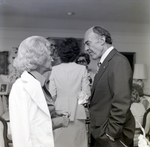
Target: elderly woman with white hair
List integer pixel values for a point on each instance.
(30, 104)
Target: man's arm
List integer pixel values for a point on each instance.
(120, 82)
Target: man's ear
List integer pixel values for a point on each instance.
(102, 40)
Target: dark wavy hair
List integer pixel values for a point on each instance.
(138, 88)
(69, 50)
(87, 57)
(103, 32)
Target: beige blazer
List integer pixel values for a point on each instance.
(30, 120)
(66, 80)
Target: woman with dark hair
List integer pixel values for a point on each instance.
(69, 87)
(86, 61)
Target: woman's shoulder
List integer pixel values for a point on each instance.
(69, 65)
(82, 68)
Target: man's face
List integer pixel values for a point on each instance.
(52, 47)
(93, 44)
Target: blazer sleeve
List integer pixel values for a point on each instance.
(120, 81)
(19, 119)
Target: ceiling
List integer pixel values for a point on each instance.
(21, 13)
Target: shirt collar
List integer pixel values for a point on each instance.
(106, 54)
(39, 77)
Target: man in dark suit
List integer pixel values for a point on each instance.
(112, 123)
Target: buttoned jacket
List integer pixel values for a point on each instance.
(111, 98)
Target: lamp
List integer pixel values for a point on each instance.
(140, 74)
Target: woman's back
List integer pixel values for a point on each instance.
(66, 80)
(69, 78)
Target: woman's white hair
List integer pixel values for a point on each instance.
(32, 53)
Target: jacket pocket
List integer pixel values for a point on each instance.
(102, 121)
(99, 130)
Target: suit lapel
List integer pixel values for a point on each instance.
(98, 75)
(33, 88)
(102, 69)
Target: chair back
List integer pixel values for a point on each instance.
(146, 123)
(5, 137)
(7, 141)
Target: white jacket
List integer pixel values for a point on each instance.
(66, 81)
(30, 120)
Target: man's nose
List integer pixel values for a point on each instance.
(86, 47)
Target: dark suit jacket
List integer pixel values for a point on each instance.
(111, 99)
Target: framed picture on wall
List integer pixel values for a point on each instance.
(4, 88)
(4, 62)
(131, 56)
(58, 41)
